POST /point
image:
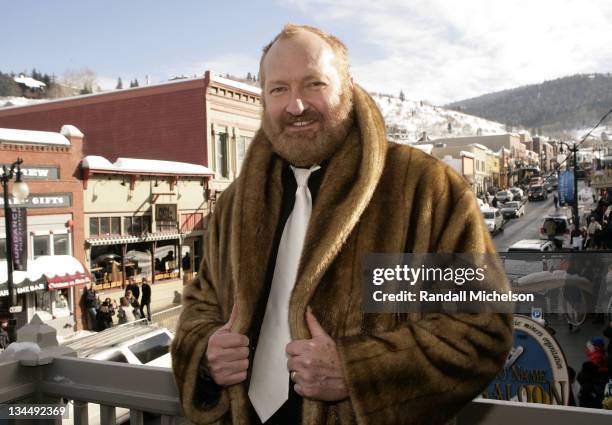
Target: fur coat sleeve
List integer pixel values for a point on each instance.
(428, 368)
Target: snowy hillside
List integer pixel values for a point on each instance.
(407, 120)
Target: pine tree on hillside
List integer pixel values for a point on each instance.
(402, 97)
(249, 77)
(86, 89)
(119, 84)
(134, 83)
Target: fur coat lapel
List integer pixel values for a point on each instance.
(347, 188)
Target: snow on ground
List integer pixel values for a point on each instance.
(408, 119)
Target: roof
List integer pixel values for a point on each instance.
(33, 137)
(236, 84)
(143, 166)
(30, 82)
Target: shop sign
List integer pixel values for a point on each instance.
(32, 287)
(535, 369)
(39, 173)
(45, 200)
(18, 226)
(61, 282)
(602, 178)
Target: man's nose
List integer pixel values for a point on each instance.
(296, 105)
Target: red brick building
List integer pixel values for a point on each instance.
(208, 121)
(51, 168)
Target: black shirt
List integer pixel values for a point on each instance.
(291, 411)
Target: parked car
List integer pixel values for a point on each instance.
(537, 193)
(562, 229)
(532, 245)
(504, 196)
(512, 209)
(536, 181)
(133, 343)
(493, 219)
(517, 193)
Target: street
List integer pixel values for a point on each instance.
(526, 227)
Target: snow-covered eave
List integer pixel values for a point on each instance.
(94, 164)
(18, 136)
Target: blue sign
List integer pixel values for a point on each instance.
(565, 186)
(535, 369)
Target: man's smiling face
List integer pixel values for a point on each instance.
(307, 99)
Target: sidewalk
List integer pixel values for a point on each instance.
(164, 294)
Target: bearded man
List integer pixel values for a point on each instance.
(273, 329)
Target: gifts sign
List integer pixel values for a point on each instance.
(18, 225)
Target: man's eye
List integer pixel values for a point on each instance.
(277, 90)
(317, 84)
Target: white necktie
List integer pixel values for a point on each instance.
(269, 387)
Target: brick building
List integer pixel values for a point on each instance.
(55, 234)
(208, 121)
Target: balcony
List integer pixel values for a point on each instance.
(54, 373)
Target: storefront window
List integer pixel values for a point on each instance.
(116, 225)
(127, 225)
(146, 223)
(60, 244)
(105, 226)
(41, 245)
(94, 226)
(52, 304)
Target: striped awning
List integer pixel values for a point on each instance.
(119, 240)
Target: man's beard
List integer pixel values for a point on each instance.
(311, 147)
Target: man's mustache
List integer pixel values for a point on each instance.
(307, 115)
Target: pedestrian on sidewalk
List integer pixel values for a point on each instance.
(145, 301)
(556, 202)
(133, 287)
(134, 303)
(4, 336)
(125, 313)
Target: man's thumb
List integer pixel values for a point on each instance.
(231, 320)
(313, 324)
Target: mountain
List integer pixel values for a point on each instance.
(406, 120)
(563, 107)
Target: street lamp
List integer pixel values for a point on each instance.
(574, 150)
(20, 193)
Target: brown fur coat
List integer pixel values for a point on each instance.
(374, 197)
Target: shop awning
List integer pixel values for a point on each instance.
(46, 272)
(119, 240)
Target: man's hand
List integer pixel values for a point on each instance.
(228, 354)
(315, 365)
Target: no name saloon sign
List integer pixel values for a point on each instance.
(535, 370)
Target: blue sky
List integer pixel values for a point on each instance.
(439, 50)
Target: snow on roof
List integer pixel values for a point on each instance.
(30, 82)
(466, 154)
(479, 146)
(236, 84)
(148, 166)
(8, 101)
(49, 265)
(69, 130)
(30, 136)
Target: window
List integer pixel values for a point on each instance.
(242, 144)
(105, 226)
(94, 227)
(116, 225)
(41, 245)
(137, 225)
(127, 225)
(221, 154)
(2, 248)
(151, 348)
(61, 244)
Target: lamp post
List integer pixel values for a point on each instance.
(574, 150)
(20, 192)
